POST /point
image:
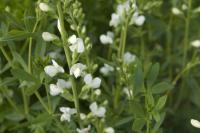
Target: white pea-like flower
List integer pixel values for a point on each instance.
(109, 130)
(115, 20)
(77, 69)
(176, 11)
(97, 111)
(84, 130)
(76, 44)
(124, 7)
(195, 123)
(107, 39)
(92, 83)
(137, 19)
(66, 113)
(129, 58)
(106, 69)
(196, 43)
(44, 7)
(128, 92)
(48, 36)
(52, 70)
(56, 89)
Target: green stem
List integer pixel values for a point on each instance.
(26, 109)
(6, 55)
(42, 102)
(123, 40)
(168, 49)
(48, 99)
(186, 35)
(67, 54)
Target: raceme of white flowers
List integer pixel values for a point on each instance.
(107, 39)
(195, 123)
(84, 130)
(76, 44)
(66, 113)
(56, 89)
(196, 43)
(129, 58)
(106, 69)
(44, 7)
(48, 36)
(97, 111)
(77, 70)
(52, 70)
(118, 17)
(92, 82)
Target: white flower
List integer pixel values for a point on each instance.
(115, 20)
(77, 69)
(195, 123)
(184, 7)
(107, 39)
(109, 130)
(44, 7)
(55, 90)
(97, 92)
(196, 43)
(58, 25)
(129, 58)
(93, 83)
(52, 70)
(124, 7)
(106, 69)
(176, 11)
(97, 111)
(59, 87)
(76, 44)
(128, 92)
(84, 130)
(82, 116)
(137, 19)
(48, 36)
(66, 113)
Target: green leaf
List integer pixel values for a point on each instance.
(123, 121)
(20, 60)
(138, 124)
(152, 74)
(161, 102)
(16, 35)
(138, 79)
(22, 75)
(161, 88)
(156, 116)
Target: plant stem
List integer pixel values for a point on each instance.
(67, 54)
(6, 55)
(168, 49)
(123, 39)
(186, 35)
(42, 102)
